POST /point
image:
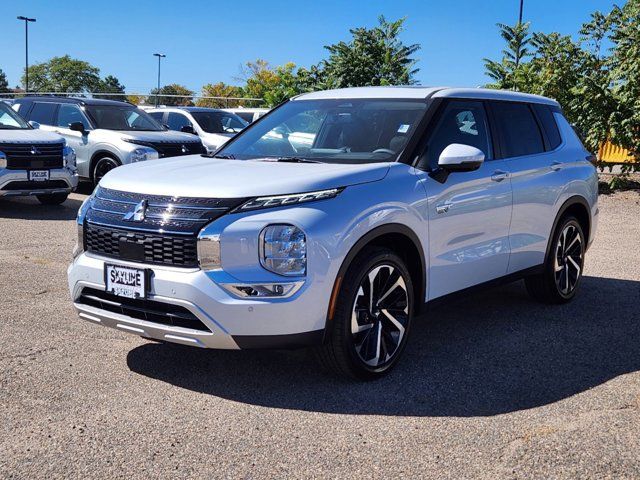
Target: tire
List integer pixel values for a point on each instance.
(559, 281)
(52, 198)
(365, 343)
(101, 167)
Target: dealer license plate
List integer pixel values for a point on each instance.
(125, 281)
(38, 175)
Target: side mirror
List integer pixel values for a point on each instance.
(77, 127)
(188, 129)
(460, 158)
(34, 124)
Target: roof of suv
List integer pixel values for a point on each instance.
(418, 92)
(186, 109)
(74, 100)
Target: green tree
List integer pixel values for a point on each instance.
(273, 85)
(220, 89)
(111, 84)
(374, 56)
(625, 72)
(63, 74)
(186, 95)
(511, 72)
(4, 84)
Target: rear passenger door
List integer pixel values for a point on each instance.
(529, 143)
(469, 212)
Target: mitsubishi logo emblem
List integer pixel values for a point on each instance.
(184, 149)
(34, 150)
(138, 212)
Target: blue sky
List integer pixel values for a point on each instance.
(207, 41)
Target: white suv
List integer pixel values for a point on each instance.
(402, 197)
(34, 162)
(212, 125)
(105, 133)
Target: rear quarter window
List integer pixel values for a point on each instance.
(549, 125)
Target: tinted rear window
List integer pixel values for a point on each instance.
(549, 125)
(43, 113)
(518, 129)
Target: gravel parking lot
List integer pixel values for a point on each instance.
(494, 386)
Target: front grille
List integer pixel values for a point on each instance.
(44, 185)
(167, 235)
(174, 149)
(26, 156)
(151, 248)
(142, 309)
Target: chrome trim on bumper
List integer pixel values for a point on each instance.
(8, 176)
(216, 338)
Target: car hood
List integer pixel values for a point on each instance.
(198, 176)
(165, 136)
(30, 136)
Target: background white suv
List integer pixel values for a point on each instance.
(212, 125)
(105, 133)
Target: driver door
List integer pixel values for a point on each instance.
(67, 114)
(469, 212)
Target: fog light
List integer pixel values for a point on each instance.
(262, 290)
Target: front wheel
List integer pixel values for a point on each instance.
(103, 166)
(562, 273)
(372, 316)
(52, 198)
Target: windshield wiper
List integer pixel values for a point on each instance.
(224, 156)
(293, 160)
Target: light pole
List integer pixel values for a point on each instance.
(160, 56)
(26, 50)
(521, 6)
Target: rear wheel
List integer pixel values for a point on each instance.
(372, 316)
(562, 273)
(52, 198)
(103, 166)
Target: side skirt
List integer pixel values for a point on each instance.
(512, 277)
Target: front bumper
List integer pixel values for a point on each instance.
(231, 323)
(66, 181)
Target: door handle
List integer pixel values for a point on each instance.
(555, 166)
(443, 207)
(499, 175)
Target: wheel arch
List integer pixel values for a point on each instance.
(579, 208)
(399, 238)
(97, 155)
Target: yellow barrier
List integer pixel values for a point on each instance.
(610, 153)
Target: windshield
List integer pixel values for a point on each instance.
(219, 122)
(337, 131)
(125, 117)
(10, 120)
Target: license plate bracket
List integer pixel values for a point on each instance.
(38, 175)
(125, 281)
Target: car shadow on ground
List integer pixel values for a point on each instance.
(495, 352)
(29, 208)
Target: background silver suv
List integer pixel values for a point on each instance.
(106, 133)
(34, 162)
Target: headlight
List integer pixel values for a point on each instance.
(79, 247)
(3, 160)
(69, 156)
(283, 250)
(285, 200)
(82, 211)
(142, 153)
(209, 252)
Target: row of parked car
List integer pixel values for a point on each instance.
(48, 144)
